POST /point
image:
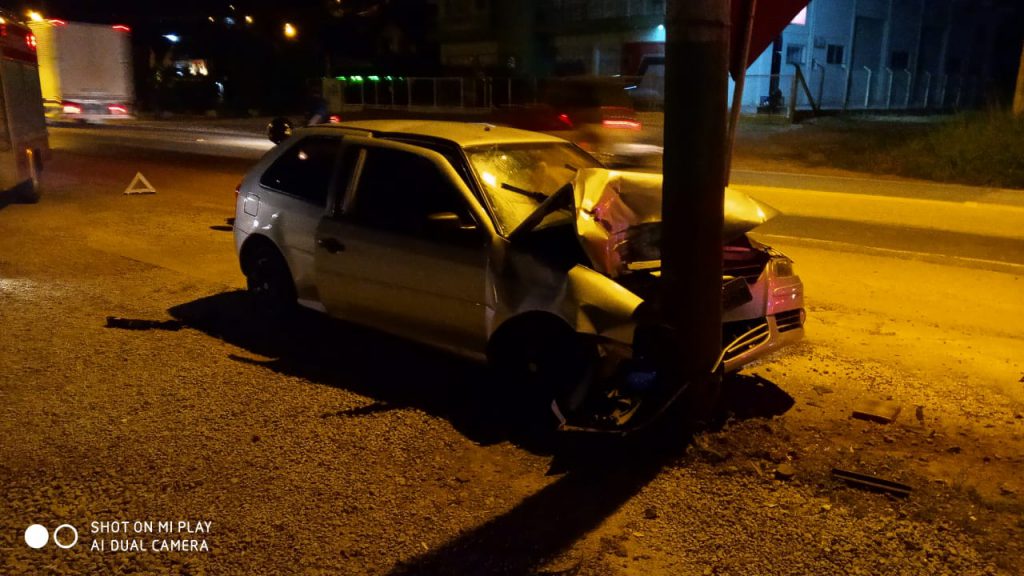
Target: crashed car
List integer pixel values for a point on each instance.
(501, 244)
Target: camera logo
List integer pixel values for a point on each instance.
(36, 536)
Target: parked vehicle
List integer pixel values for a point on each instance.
(85, 70)
(500, 244)
(23, 140)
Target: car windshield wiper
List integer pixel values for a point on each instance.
(549, 205)
(528, 193)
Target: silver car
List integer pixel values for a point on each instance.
(497, 243)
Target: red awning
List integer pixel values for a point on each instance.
(770, 18)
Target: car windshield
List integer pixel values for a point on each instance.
(516, 178)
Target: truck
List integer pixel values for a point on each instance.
(24, 143)
(85, 70)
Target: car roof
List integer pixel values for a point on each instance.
(463, 134)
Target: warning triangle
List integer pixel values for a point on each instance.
(140, 185)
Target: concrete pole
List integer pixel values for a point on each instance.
(696, 94)
(1018, 95)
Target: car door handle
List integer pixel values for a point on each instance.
(332, 245)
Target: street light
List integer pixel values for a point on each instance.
(248, 19)
(290, 31)
(35, 16)
(172, 38)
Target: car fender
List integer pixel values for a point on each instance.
(585, 300)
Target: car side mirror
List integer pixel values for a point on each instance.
(448, 224)
(278, 130)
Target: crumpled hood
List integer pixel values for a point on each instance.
(618, 218)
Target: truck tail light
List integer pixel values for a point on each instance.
(334, 119)
(31, 42)
(71, 108)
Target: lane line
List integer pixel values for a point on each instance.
(851, 247)
(854, 196)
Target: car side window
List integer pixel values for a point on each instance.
(399, 191)
(306, 169)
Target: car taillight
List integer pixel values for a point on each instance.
(121, 28)
(71, 108)
(334, 119)
(117, 109)
(564, 119)
(30, 40)
(619, 117)
(624, 124)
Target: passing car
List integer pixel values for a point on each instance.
(505, 245)
(595, 113)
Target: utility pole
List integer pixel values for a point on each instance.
(696, 91)
(1018, 95)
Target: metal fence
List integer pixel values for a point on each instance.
(427, 92)
(820, 88)
(864, 89)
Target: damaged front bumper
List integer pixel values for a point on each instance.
(628, 391)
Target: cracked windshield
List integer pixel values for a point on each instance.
(517, 178)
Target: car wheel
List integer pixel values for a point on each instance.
(536, 366)
(269, 281)
(28, 192)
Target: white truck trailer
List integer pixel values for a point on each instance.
(85, 70)
(24, 144)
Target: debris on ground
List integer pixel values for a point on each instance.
(785, 471)
(869, 482)
(138, 324)
(877, 411)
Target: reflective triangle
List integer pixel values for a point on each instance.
(140, 185)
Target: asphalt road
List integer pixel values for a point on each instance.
(976, 227)
(328, 449)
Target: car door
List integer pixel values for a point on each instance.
(293, 198)
(404, 251)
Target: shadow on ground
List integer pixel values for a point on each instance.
(597, 475)
(393, 372)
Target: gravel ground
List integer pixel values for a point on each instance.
(328, 449)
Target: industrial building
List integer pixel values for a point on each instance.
(852, 54)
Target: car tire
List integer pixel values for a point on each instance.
(269, 281)
(28, 192)
(533, 366)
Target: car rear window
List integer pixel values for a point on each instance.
(305, 170)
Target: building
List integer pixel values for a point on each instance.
(853, 54)
(884, 54)
(547, 37)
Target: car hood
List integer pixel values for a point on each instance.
(618, 218)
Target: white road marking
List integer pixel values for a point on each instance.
(851, 247)
(987, 219)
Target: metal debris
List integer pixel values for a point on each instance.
(874, 483)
